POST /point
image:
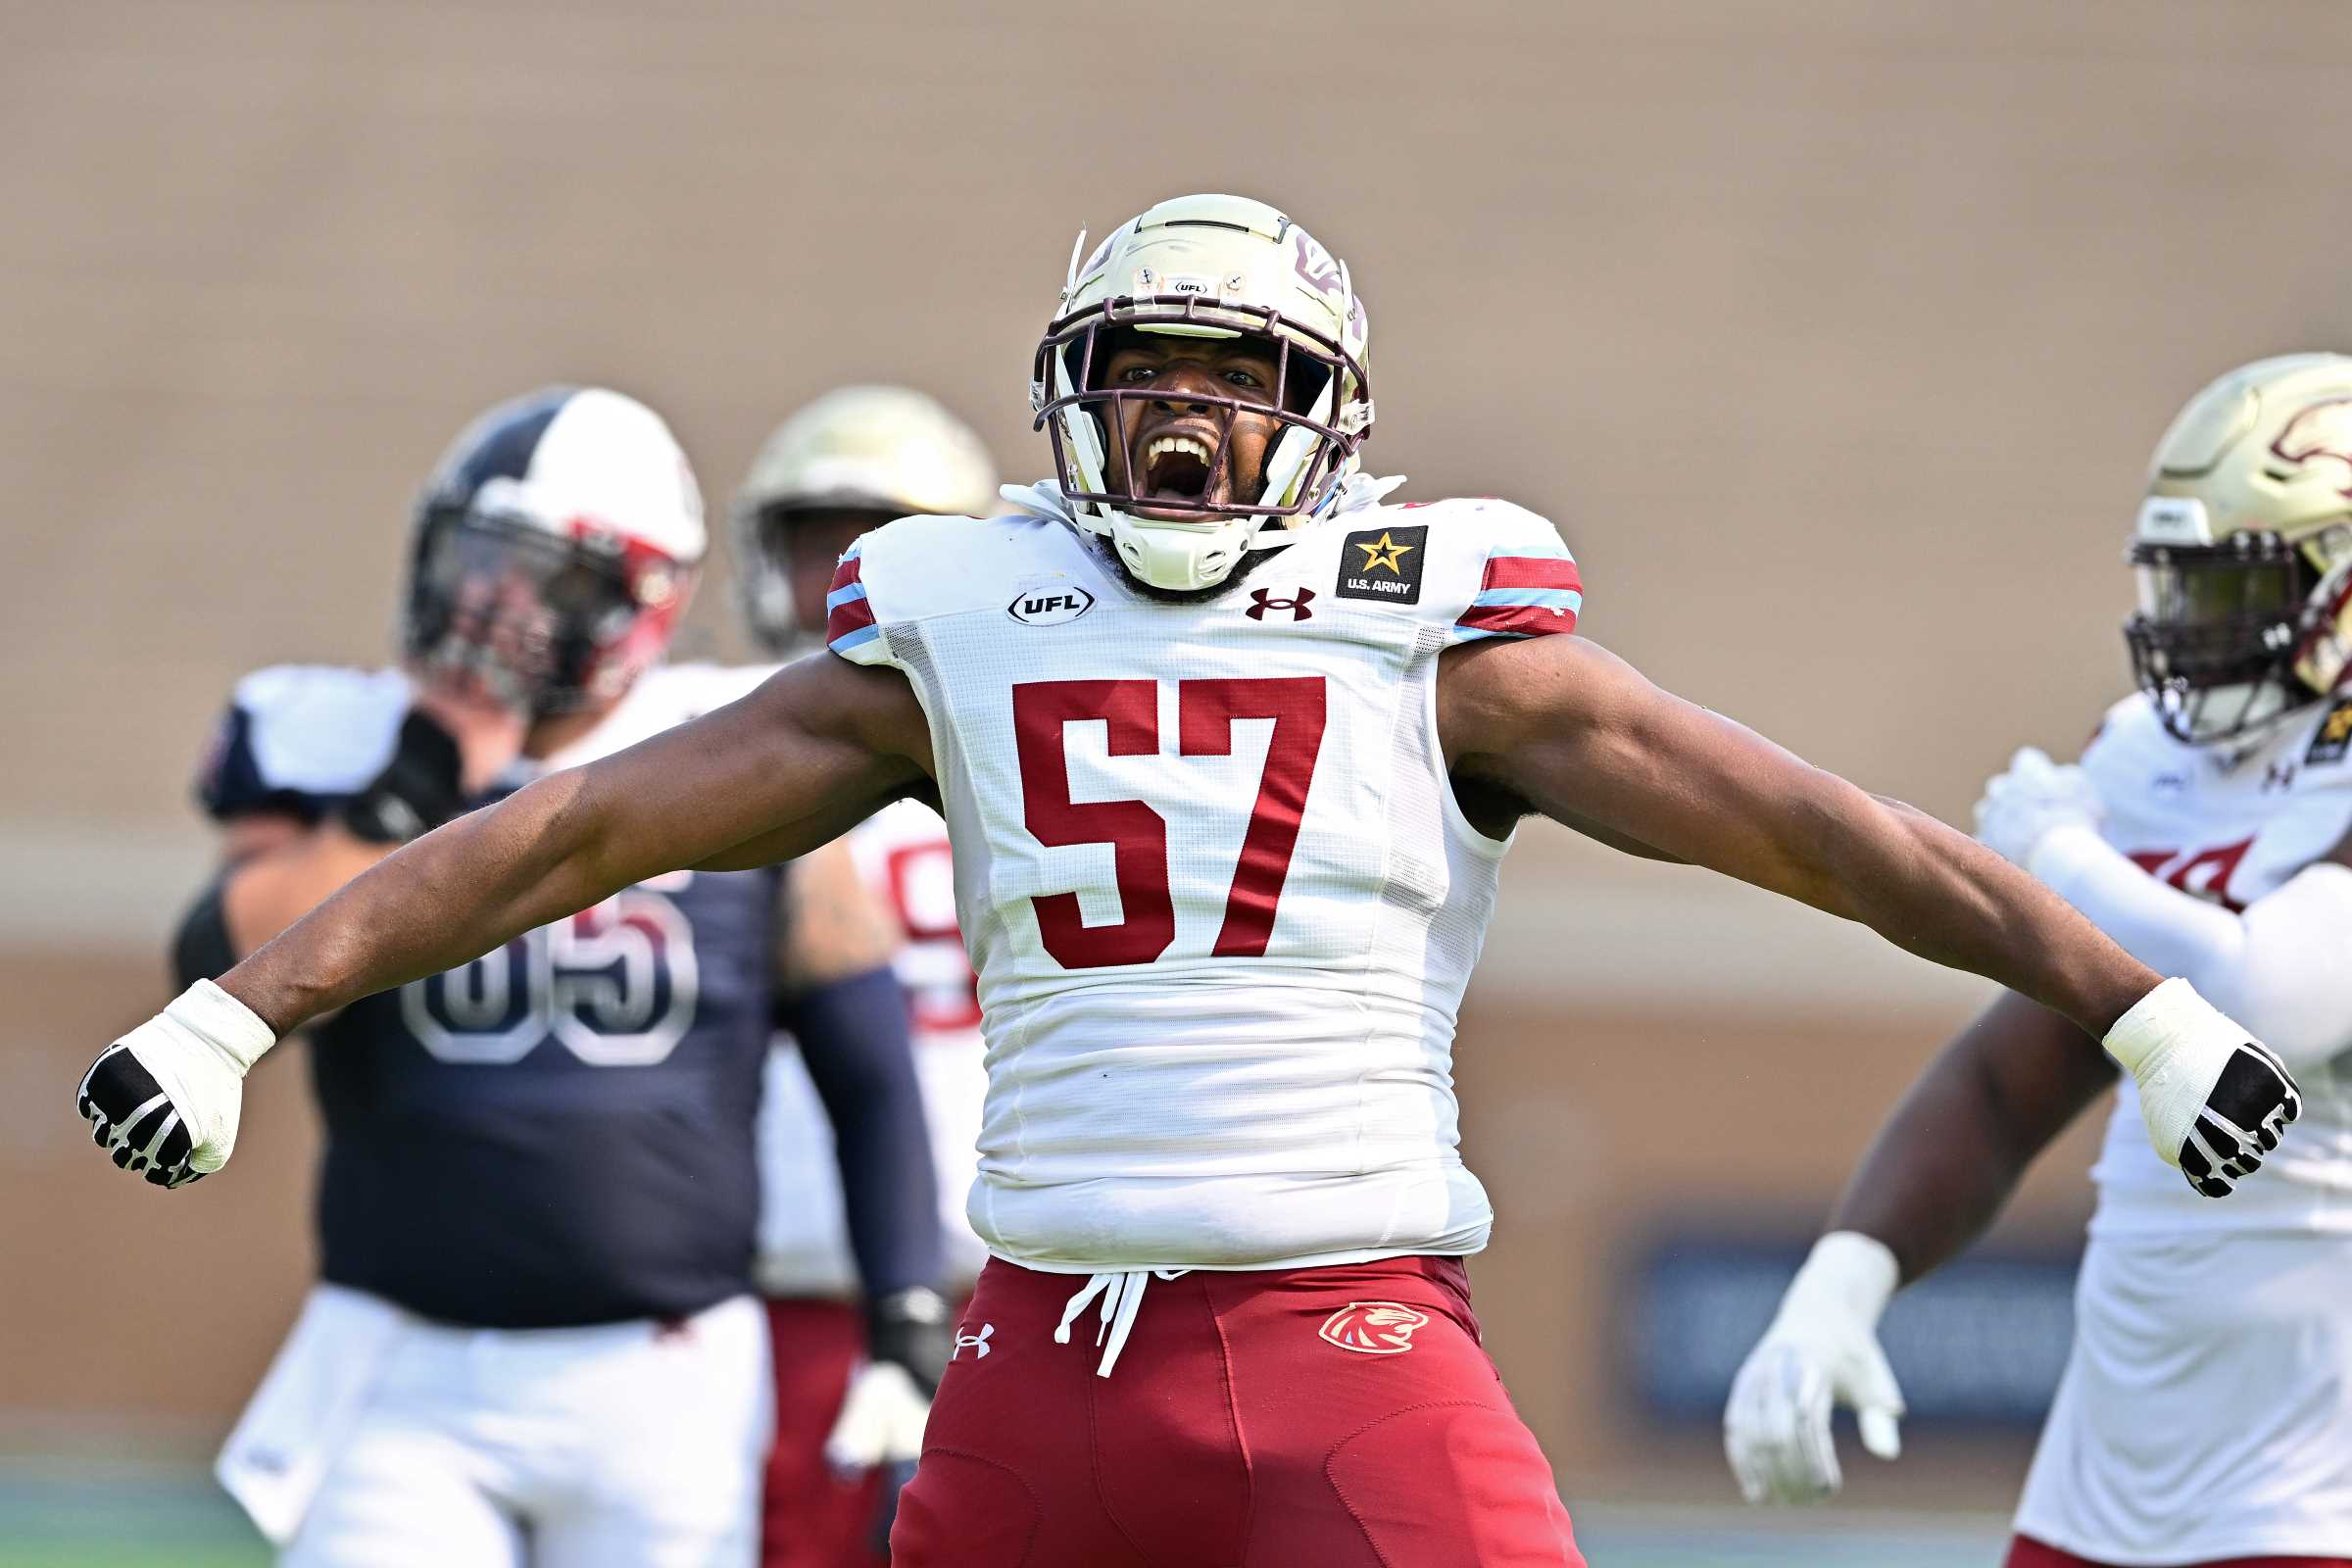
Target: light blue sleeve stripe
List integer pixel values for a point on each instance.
(851, 553)
(1538, 598)
(1471, 634)
(843, 595)
(855, 639)
(1550, 549)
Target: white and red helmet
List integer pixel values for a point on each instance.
(555, 548)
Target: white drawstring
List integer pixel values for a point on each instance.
(1122, 1294)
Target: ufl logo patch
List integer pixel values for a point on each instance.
(1373, 1328)
(1384, 564)
(1050, 606)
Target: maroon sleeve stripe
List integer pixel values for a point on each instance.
(1518, 621)
(1532, 571)
(847, 572)
(853, 616)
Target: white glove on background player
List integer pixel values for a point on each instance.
(881, 1421)
(2036, 796)
(165, 1097)
(1821, 1352)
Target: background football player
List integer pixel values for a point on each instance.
(2209, 830)
(534, 1338)
(1230, 753)
(852, 461)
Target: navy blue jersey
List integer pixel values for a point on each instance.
(560, 1132)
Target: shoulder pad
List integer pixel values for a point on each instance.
(1483, 567)
(301, 739)
(920, 568)
(2129, 745)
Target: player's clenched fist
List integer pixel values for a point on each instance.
(2214, 1100)
(164, 1098)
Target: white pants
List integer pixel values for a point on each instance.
(622, 1445)
(2206, 1411)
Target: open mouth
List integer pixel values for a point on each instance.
(1178, 467)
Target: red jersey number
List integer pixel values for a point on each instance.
(1129, 711)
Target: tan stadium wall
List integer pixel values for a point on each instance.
(1834, 335)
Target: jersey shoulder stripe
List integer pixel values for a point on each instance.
(848, 613)
(1527, 583)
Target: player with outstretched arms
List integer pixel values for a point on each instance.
(852, 461)
(535, 1340)
(1230, 751)
(2205, 1416)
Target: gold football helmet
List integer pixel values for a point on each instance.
(2244, 550)
(869, 454)
(1205, 267)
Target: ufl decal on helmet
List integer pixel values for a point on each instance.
(555, 547)
(2244, 550)
(1205, 267)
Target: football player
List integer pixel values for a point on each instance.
(1230, 753)
(2208, 829)
(534, 1338)
(853, 459)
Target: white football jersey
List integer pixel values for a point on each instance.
(903, 854)
(2230, 828)
(2190, 1427)
(1212, 873)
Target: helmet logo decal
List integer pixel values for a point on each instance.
(1315, 267)
(2322, 430)
(1373, 1328)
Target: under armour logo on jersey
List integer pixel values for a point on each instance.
(977, 1344)
(1261, 602)
(2277, 777)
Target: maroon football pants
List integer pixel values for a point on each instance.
(809, 1516)
(1340, 1417)
(2027, 1553)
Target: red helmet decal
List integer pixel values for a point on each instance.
(1374, 1328)
(2323, 430)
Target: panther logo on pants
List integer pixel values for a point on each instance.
(1374, 1328)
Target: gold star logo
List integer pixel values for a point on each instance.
(1384, 555)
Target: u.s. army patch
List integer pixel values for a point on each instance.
(1384, 564)
(2334, 737)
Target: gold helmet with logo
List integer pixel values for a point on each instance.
(2244, 550)
(1205, 267)
(876, 451)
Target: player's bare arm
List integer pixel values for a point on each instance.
(1570, 730)
(834, 926)
(779, 766)
(1945, 1161)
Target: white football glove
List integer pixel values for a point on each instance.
(2022, 806)
(881, 1422)
(2214, 1098)
(164, 1098)
(1821, 1352)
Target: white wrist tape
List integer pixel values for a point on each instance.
(2174, 1043)
(208, 1017)
(1848, 1275)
